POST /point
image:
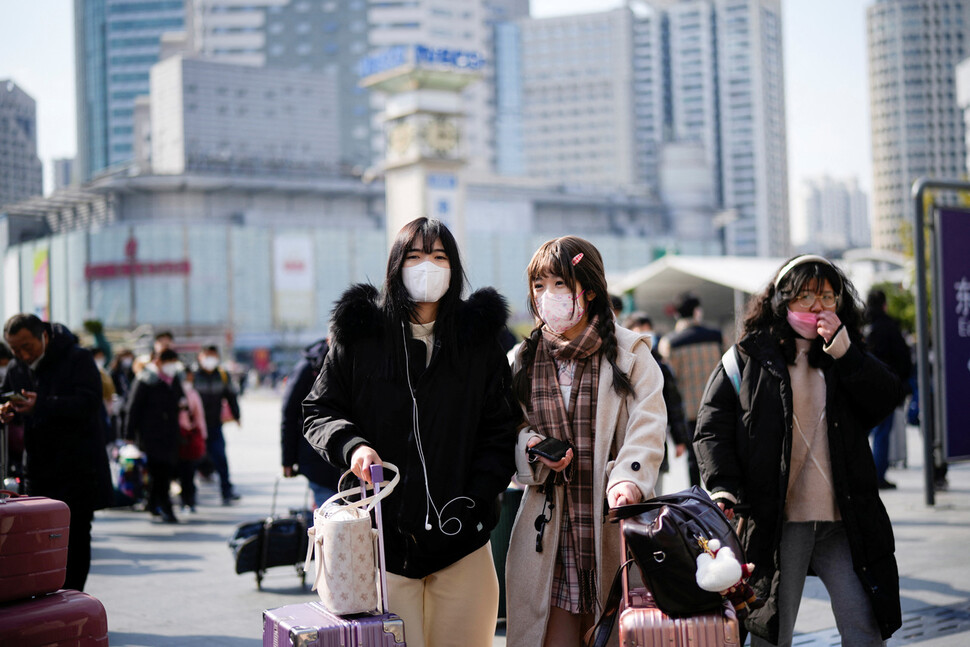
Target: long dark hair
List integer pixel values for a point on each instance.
(555, 258)
(768, 311)
(397, 305)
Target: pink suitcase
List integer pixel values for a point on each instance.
(33, 545)
(642, 623)
(312, 625)
(62, 619)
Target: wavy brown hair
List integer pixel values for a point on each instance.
(768, 311)
(554, 258)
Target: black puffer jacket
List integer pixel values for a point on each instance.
(295, 448)
(466, 425)
(63, 435)
(153, 416)
(746, 450)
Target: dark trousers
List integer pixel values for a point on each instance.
(692, 469)
(215, 445)
(880, 445)
(186, 474)
(80, 501)
(160, 475)
(79, 546)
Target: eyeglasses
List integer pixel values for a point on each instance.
(829, 300)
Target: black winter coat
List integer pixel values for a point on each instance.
(63, 435)
(746, 450)
(886, 342)
(466, 429)
(214, 387)
(153, 416)
(295, 448)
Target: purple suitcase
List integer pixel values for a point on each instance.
(312, 625)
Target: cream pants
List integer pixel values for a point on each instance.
(457, 605)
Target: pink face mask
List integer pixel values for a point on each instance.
(804, 323)
(560, 312)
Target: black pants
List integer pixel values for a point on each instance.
(160, 476)
(692, 469)
(79, 546)
(80, 501)
(186, 472)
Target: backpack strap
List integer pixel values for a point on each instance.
(732, 367)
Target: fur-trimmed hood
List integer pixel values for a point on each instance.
(357, 315)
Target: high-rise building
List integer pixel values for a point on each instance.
(836, 214)
(326, 36)
(571, 90)
(593, 99)
(917, 127)
(208, 116)
(21, 174)
(63, 172)
(116, 42)
(332, 36)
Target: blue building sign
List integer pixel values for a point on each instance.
(419, 56)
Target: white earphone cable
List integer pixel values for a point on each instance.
(416, 426)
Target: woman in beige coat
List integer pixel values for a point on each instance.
(582, 380)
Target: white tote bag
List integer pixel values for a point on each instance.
(343, 545)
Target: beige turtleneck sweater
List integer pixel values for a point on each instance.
(811, 495)
(424, 333)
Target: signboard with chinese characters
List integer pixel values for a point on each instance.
(419, 56)
(954, 326)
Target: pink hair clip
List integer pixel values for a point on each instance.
(578, 257)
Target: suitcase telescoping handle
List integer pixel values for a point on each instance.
(377, 477)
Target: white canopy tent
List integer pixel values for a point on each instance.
(724, 283)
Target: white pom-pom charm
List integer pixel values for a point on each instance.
(718, 572)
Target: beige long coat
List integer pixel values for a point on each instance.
(629, 443)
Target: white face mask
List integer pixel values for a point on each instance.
(426, 282)
(171, 369)
(3, 372)
(209, 363)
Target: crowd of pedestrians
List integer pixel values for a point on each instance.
(579, 415)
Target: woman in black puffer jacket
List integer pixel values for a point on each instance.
(791, 445)
(416, 376)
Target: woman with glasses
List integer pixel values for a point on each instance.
(789, 447)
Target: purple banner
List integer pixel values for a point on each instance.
(954, 289)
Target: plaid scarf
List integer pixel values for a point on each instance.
(548, 414)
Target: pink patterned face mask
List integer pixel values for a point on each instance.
(560, 312)
(804, 323)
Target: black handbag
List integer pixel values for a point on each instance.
(665, 535)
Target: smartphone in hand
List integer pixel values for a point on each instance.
(552, 449)
(12, 396)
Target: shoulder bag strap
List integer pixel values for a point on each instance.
(600, 634)
(731, 366)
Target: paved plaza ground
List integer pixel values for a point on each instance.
(174, 585)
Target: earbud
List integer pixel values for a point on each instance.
(427, 526)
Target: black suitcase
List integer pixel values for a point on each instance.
(273, 541)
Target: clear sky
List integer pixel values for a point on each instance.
(825, 78)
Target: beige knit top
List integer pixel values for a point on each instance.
(811, 495)
(424, 333)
